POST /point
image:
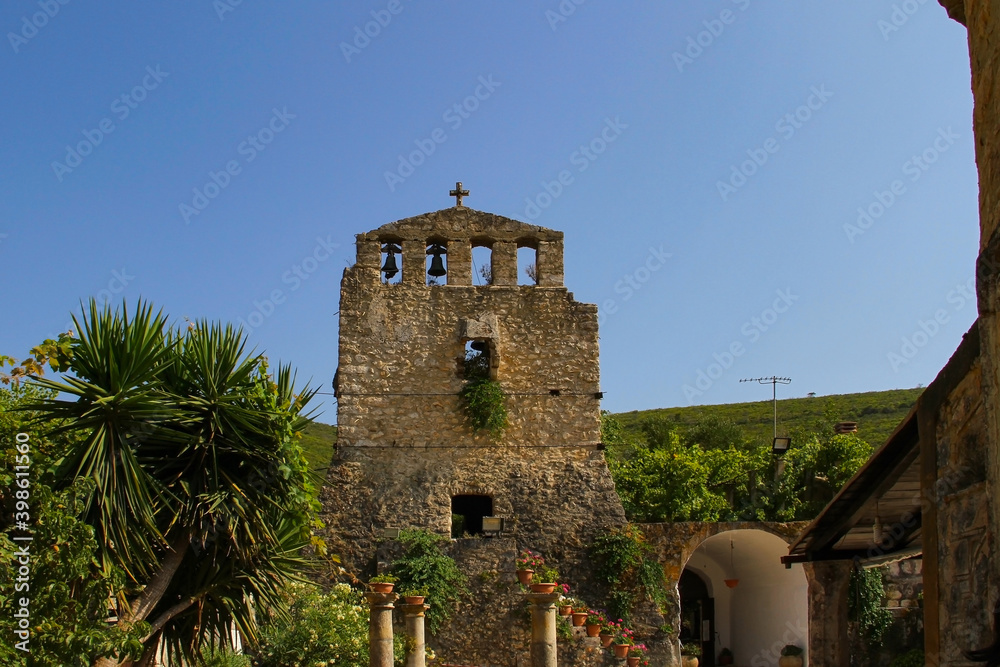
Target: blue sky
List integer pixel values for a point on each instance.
(209, 155)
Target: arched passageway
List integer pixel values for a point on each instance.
(736, 594)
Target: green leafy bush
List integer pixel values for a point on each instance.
(865, 605)
(485, 405)
(913, 658)
(322, 628)
(626, 564)
(424, 564)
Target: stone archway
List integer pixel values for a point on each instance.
(675, 544)
(759, 606)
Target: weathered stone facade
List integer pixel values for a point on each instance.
(957, 557)
(405, 448)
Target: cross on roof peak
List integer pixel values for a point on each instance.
(458, 193)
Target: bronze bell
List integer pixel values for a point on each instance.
(390, 269)
(437, 264)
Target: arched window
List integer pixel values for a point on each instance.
(482, 262)
(527, 262)
(437, 263)
(391, 265)
(467, 512)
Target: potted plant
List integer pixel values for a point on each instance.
(544, 580)
(595, 621)
(565, 602)
(791, 656)
(622, 642)
(636, 653)
(414, 595)
(580, 613)
(725, 657)
(527, 563)
(382, 583)
(690, 654)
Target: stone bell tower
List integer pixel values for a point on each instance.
(407, 456)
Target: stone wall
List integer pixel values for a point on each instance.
(904, 586)
(964, 540)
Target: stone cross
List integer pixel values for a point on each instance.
(458, 193)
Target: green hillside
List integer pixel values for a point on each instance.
(877, 413)
(318, 442)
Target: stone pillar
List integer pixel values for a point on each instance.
(504, 263)
(543, 629)
(459, 263)
(380, 628)
(828, 584)
(415, 647)
(549, 263)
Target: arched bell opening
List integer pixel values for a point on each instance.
(527, 262)
(467, 512)
(482, 262)
(391, 262)
(437, 262)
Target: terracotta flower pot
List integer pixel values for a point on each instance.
(524, 576)
(381, 588)
(790, 661)
(565, 610)
(634, 661)
(414, 599)
(579, 618)
(606, 640)
(543, 588)
(621, 650)
(593, 629)
(689, 661)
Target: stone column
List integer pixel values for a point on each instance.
(415, 647)
(380, 628)
(543, 629)
(828, 585)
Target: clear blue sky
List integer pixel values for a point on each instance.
(830, 103)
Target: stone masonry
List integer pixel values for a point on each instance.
(405, 447)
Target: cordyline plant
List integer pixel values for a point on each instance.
(200, 493)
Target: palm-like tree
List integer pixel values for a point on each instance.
(201, 493)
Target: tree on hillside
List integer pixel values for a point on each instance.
(200, 494)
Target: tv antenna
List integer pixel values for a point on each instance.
(774, 381)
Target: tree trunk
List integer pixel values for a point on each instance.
(151, 595)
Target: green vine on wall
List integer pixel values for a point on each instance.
(865, 605)
(625, 564)
(424, 564)
(485, 405)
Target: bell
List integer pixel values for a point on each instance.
(390, 269)
(437, 265)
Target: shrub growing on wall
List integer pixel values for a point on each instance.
(424, 564)
(626, 565)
